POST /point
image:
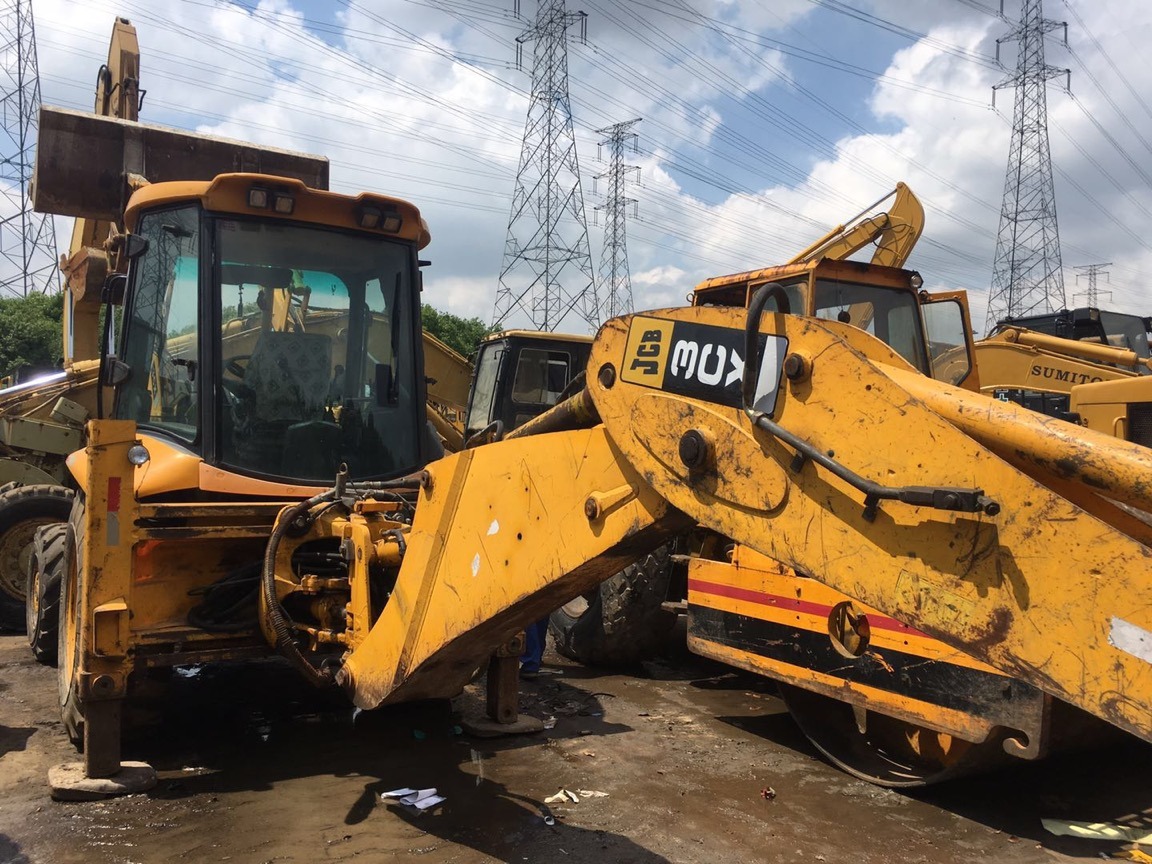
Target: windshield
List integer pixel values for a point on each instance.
(1126, 331)
(309, 331)
(483, 396)
(161, 338)
(890, 315)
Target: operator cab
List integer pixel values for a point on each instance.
(930, 331)
(520, 374)
(272, 330)
(1089, 324)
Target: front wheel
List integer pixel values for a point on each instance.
(68, 632)
(622, 620)
(42, 606)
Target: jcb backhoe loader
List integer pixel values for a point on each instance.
(42, 420)
(788, 413)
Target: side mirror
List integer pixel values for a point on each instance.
(135, 245)
(115, 286)
(115, 372)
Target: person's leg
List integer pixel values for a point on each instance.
(535, 635)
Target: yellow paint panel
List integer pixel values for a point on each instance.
(646, 355)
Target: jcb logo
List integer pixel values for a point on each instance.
(709, 364)
(647, 354)
(697, 360)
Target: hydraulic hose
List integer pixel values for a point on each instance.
(277, 617)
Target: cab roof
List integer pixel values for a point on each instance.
(229, 193)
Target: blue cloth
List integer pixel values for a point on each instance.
(534, 637)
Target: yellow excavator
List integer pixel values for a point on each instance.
(931, 540)
(1048, 362)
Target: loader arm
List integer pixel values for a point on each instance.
(503, 535)
(837, 471)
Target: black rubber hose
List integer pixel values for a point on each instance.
(277, 617)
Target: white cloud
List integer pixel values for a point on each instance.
(374, 90)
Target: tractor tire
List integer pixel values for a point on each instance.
(621, 622)
(23, 510)
(68, 632)
(42, 607)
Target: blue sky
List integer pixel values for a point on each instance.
(747, 150)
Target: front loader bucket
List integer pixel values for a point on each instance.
(503, 535)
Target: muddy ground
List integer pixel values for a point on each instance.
(255, 768)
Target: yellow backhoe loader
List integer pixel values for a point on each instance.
(42, 419)
(931, 539)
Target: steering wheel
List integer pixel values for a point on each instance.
(237, 365)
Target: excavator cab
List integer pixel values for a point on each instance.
(1095, 326)
(271, 347)
(520, 374)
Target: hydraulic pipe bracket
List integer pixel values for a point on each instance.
(940, 498)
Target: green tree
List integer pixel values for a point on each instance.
(463, 334)
(30, 330)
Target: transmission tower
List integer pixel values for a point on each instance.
(546, 274)
(1092, 271)
(615, 282)
(1026, 274)
(28, 262)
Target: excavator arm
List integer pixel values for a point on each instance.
(818, 448)
(894, 233)
(1018, 358)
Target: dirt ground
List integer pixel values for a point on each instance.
(255, 768)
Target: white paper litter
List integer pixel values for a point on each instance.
(591, 793)
(559, 798)
(421, 799)
(1098, 831)
(397, 793)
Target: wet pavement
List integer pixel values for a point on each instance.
(255, 767)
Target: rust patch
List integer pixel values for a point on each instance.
(999, 625)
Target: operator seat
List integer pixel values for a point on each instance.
(286, 383)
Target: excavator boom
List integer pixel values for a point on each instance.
(894, 233)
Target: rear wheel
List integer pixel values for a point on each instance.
(621, 621)
(883, 749)
(23, 510)
(42, 607)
